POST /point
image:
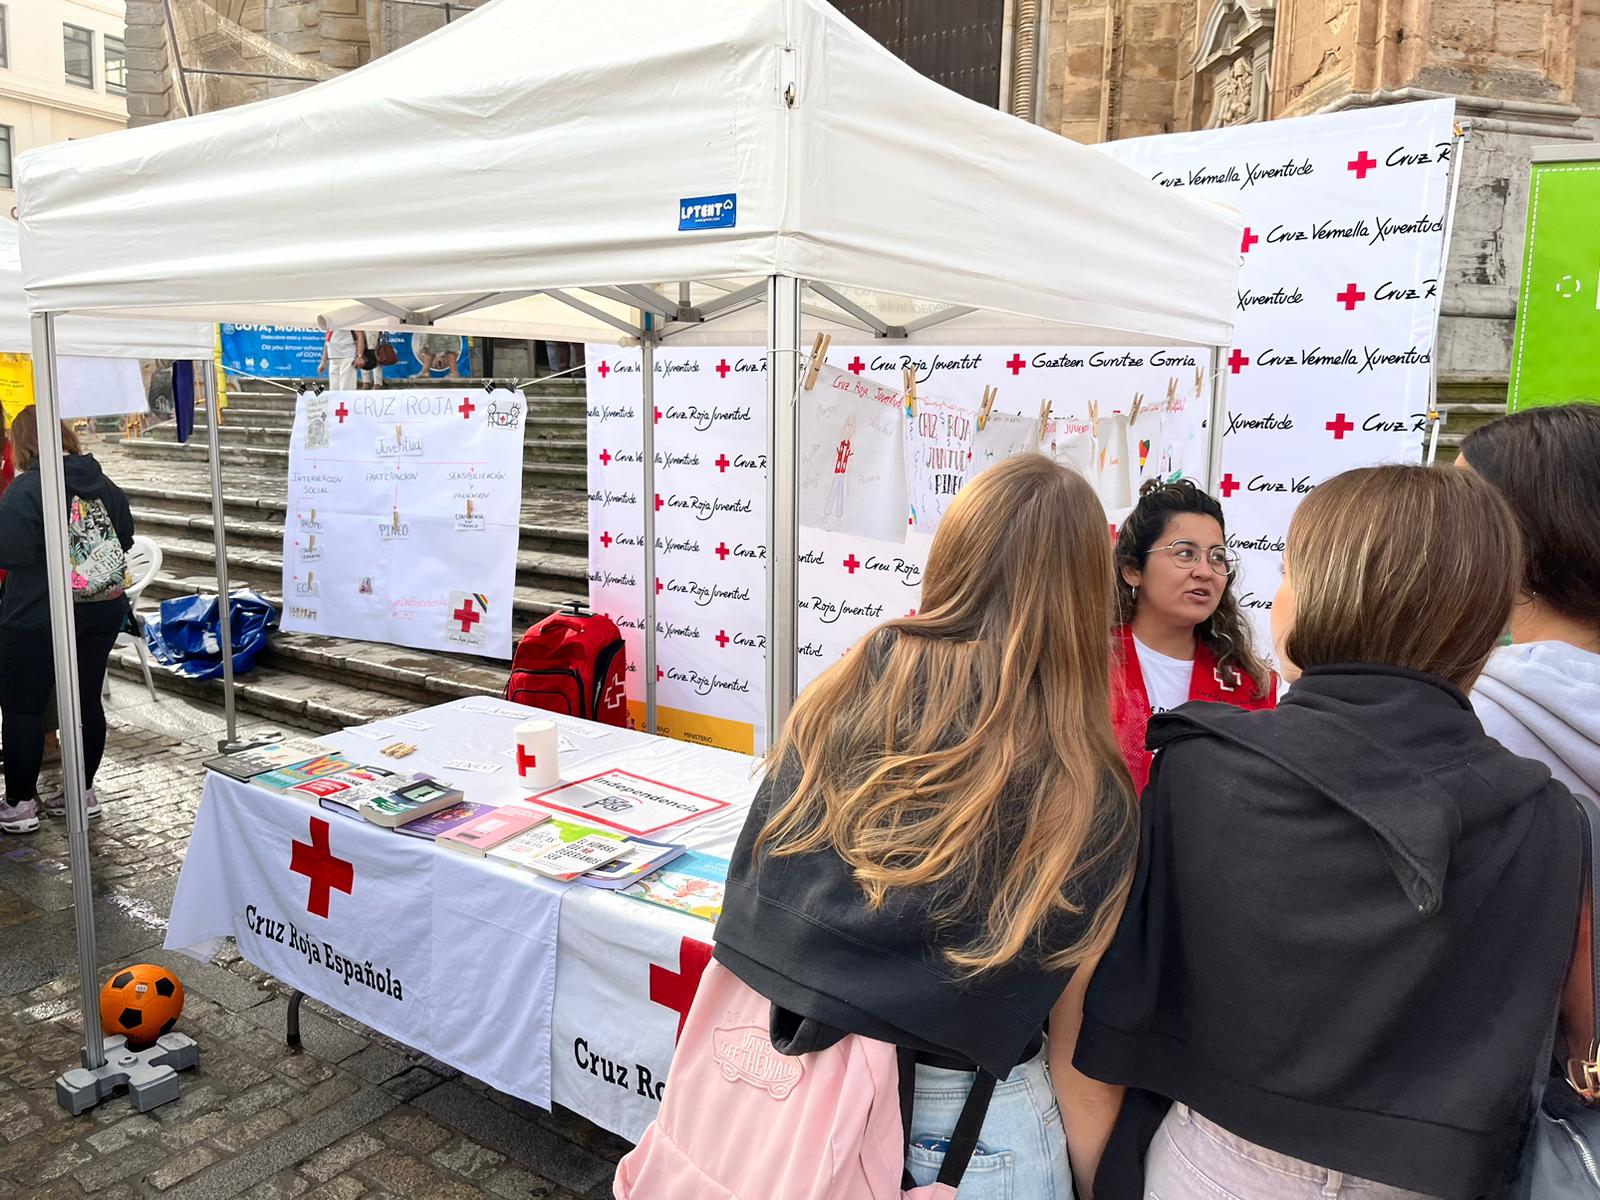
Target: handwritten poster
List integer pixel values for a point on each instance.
(404, 510)
(1003, 435)
(938, 459)
(852, 457)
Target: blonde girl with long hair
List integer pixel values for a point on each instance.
(946, 832)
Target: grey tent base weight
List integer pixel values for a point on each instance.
(150, 1076)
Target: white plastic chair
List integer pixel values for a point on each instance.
(144, 564)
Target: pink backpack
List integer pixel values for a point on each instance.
(743, 1122)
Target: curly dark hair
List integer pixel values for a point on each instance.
(1225, 632)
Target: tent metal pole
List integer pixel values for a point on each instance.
(647, 414)
(69, 704)
(783, 510)
(1217, 422)
(208, 372)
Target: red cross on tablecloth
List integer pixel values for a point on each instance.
(676, 989)
(316, 861)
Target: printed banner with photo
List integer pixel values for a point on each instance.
(710, 418)
(1337, 306)
(284, 352)
(404, 512)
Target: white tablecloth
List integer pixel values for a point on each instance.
(546, 991)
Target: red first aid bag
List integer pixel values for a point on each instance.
(575, 664)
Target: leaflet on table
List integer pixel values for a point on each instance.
(560, 850)
(245, 765)
(627, 802)
(642, 857)
(305, 771)
(694, 884)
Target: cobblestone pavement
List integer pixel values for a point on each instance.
(352, 1115)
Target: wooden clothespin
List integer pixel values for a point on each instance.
(910, 378)
(1172, 391)
(819, 355)
(1094, 415)
(1044, 418)
(1199, 380)
(990, 394)
(1138, 403)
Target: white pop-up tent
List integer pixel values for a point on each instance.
(683, 169)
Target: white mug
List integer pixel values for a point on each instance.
(538, 754)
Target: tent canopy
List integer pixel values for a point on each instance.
(90, 337)
(536, 145)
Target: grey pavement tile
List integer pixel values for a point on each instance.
(535, 1146)
(320, 1037)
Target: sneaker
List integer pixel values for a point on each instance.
(55, 805)
(19, 818)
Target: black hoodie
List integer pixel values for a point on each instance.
(1347, 935)
(25, 603)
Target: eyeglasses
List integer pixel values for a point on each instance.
(1187, 555)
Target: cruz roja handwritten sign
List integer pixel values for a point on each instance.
(403, 514)
(852, 465)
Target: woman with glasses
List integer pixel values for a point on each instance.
(1181, 635)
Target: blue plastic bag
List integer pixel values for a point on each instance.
(187, 636)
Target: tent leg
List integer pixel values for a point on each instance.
(208, 372)
(149, 1076)
(647, 413)
(783, 530)
(1216, 422)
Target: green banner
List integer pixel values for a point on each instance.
(1553, 356)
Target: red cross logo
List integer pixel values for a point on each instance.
(467, 408)
(723, 368)
(1350, 297)
(676, 989)
(1237, 360)
(1250, 239)
(722, 464)
(526, 762)
(659, 587)
(660, 674)
(723, 639)
(605, 458)
(1230, 485)
(659, 504)
(1361, 164)
(605, 369)
(1016, 364)
(1339, 427)
(722, 551)
(606, 539)
(317, 863)
(850, 564)
(467, 615)
(658, 416)
(856, 366)
(341, 412)
(912, 613)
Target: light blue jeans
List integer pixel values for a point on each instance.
(1022, 1151)
(1192, 1158)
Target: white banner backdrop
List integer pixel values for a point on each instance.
(1338, 301)
(404, 512)
(711, 429)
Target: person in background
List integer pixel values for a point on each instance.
(945, 833)
(27, 661)
(1540, 696)
(1353, 915)
(338, 357)
(1181, 635)
(369, 374)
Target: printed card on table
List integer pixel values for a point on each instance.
(631, 803)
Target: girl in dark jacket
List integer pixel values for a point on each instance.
(1353, 915)
(27, 661)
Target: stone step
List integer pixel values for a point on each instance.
(539, 443)
(189, 556)
(188, 515)
(276, 693)
(1486, 409)
(553, 476)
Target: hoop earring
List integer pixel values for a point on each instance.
(1135, 592)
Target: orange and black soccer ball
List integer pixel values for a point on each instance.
(141, 1002)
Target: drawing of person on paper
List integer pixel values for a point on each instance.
(833, 508)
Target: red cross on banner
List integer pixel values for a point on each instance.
(315, 860)
(723, 368)
(1339, 426)
(341, 412)
(1361, 164)
(606, 539)
(850, 564)
(1350, 297)
(467, 408)
(1016, 363)
(1250, 239)
(1237, 360)
(722, 464)
(1229, 486)
(605, 369)
(722, 551)
(855, 366)
(467, 615)
(605, 458)
(723, 639)
(676, 989)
